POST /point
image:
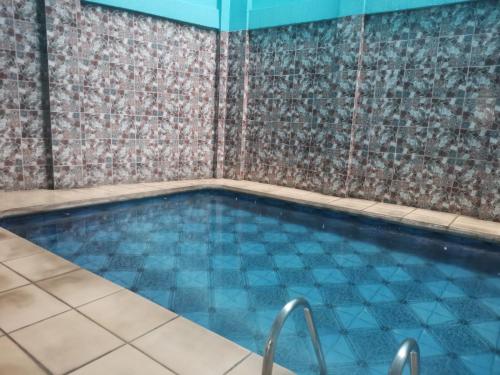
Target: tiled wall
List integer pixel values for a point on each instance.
(24, 133)
(301, 89)
(428, 118)
(400, 107)
(132, 96)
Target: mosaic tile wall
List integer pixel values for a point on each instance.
(24, 133)
(428, 120)
(401, 107)
(301, 89)
(132, 96)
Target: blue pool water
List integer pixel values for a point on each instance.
(230, 261)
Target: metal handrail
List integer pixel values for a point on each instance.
(408, 348)
(270, 348)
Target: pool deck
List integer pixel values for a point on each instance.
(29, 201)
(57, 318)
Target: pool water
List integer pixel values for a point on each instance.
(230, 261)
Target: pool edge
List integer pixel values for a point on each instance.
(405, 215)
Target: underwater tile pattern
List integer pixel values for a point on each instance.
(132, 96)
(24, 132)
(230, 261)
(399, 107)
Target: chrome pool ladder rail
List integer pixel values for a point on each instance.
(279, 321)
(408, 349)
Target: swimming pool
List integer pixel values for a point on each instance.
(230, 261)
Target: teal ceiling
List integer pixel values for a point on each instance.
(233, 15)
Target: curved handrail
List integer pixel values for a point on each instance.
(408, 348)
(270, 348)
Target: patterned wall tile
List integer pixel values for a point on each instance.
(416, 95)
(105, 75)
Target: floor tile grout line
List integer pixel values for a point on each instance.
(133, 345)
(238, 363)
(28, 353)
(71, 308)
(17, 273)
(89, 302)
(123, 339)
(14, 288)
(21, 256)
(453, 221)
(95, 359)
(39, 321)
(413, 210)
(177, 316)
(371, 205)
(45, 278)
(153, 359)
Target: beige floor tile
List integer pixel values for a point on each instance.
(66, 341)
(6, 235)
(253, 365)
(14, 361)
(127, 314)
(40, 197)
(321, 198)
(128, 188)
(476, 226)
(289, 192)
(431, 217)
(79, 287)
(123, 361)
(41, 266)
(189, 349)
(17, 247)
(352, 204)
(175, 184)
(97, 193)
(10, 280)
(391, 210)
(12, 199)
(26, 305)
(246, 185)
(301, 196)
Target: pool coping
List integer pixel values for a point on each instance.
(46, 282)
(48, 200)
